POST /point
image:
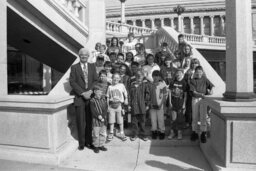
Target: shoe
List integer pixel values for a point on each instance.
(133, 138)
(172, 135)
(110, 137)
(96, 150)
(123, 137)
(102, 148)
(89, 146)
(179, 135)
(154, 135)
(80, 148)
(144, 138)
(161, 136)
(203, 137)
(194, 136)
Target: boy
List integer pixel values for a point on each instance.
(99, 63)
(177, 99)
(158, 96)
(108, 68)
(98, 106)
(102, 52)
(139, 99)
(199, 87)
(102, 82)
(116, 95)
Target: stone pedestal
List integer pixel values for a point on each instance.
(231, 145)
(34, 129)
(3, 48)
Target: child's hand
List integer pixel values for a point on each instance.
(147, 107)
(102, 120)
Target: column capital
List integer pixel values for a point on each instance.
(191, 17)
(211, 16)
(143, 19)
(201, 17)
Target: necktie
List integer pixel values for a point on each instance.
(85, 76)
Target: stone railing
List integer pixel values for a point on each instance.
(113, 27)
(75, 8)
(169, 35)
(205, 39)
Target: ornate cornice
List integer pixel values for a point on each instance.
(167, 11)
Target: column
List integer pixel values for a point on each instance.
(239, 59)
(191, 24)
(122, 11)
(212, 25)
(152, 23)
(222, 25)
(96, 22)
(171, 22)
(3, 48)
(143, 23)
(162, 22)
(182, 24)
(179, 23)
(47, 78)
(202, 25)
(134, 22)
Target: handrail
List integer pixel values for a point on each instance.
(169, 35)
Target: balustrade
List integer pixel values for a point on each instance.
(74, 7)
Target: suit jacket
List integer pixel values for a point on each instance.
(77, 81)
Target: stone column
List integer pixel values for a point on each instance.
(143, 22)
(171, 22)
(122, 11)
(182, 24)
(179, 23)
(191, 24)
(96, 22)
(134, 22)
(47, 78)
(3, 48)
(222, 25)
(152, 23)
(239, 59)
(202, 25)
(212, 25)
(162, 22)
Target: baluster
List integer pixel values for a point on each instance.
(77, 6)
(70, 5)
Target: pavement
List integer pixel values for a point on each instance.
(152, 155)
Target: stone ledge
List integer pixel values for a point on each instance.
(23, 155)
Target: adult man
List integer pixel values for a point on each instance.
(82, 76)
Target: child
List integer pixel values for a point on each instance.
(116, 95)
(108, 68)
(99, 63)
(102, 82)
(128, 59)
(178, 98)
(98, 107)
(95, 53)
(168, 71)
(129, 45)
(199, 87)
(103, 51)
(139, 98)
(158, 97)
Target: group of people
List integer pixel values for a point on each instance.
(119, 80)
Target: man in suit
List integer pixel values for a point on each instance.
(81, 79)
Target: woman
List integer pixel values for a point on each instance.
(114, 46)
(140, 57)
(150, 67)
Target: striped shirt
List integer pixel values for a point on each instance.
(98, 108)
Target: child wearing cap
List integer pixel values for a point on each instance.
(98, 106)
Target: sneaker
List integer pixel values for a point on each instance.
(144, 138)
(102, 148)
(96, 150)
(154, 135)
(133, 138)
(123, 137)
(161, 136)
(110, 137)
(179, 135)
(194, 136)
(172, 135)
(203, 137)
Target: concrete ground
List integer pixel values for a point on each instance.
(153, 155)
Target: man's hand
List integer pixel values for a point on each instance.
(87, 95)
